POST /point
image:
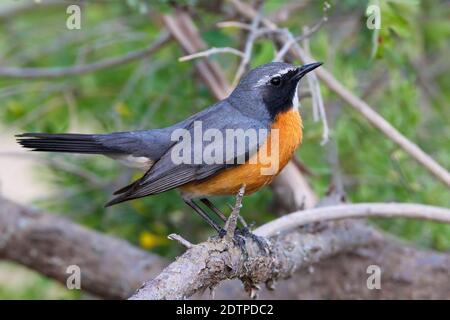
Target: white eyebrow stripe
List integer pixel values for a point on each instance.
(265, 79)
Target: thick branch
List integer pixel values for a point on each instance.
(213, 261)
(113, 269)
(406, 273)
(110, 268)
(207, 264)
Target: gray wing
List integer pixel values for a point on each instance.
(142, 143)
(150, 143)
(167, 174)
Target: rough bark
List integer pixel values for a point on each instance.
(211, 262)
(406, 273)
(110, 268)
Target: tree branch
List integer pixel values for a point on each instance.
(210, 52)
(406, 273)
(359, 210)
(184, 31)
(48, 73)
(207, 264)
(110, 268)
(248, 50)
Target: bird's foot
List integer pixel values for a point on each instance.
(222, 232)
(262, 243)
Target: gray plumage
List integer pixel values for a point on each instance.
(252, 105)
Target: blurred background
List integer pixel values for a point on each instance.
(401, 70)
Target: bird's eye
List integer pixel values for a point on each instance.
(276, 81)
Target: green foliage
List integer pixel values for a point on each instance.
(159, 91)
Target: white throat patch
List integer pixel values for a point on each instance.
(295, 99)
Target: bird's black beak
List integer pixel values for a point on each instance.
(301, 71)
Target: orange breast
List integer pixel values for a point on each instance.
(262, 167)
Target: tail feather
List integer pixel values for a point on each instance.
(117, 200)
(115, 145)
(66, 142)
(123, 195)
(125, 189)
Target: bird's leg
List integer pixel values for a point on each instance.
(204, 215)
(213, 208)
(244, 231)
(263, 245)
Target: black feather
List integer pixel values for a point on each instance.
(66, 142)
(125, 189)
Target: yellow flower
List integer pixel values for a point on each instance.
(149, 240)
(122, 109)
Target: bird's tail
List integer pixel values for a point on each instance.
(67, 142)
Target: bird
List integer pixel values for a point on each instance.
(264, 101)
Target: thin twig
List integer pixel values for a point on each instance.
(233, 24)
(317, 100)
(379, 122)
(210, 52)
(46, 73)
(230, 225)
(337, 182)
(184, 31)
(241, 220)
(289, 9)
(249, 12)
(248, 49)
(180, 239)
(245, 26)
(287, 45)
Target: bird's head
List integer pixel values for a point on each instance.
(273, 85)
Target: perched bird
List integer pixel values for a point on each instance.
(265, 101)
